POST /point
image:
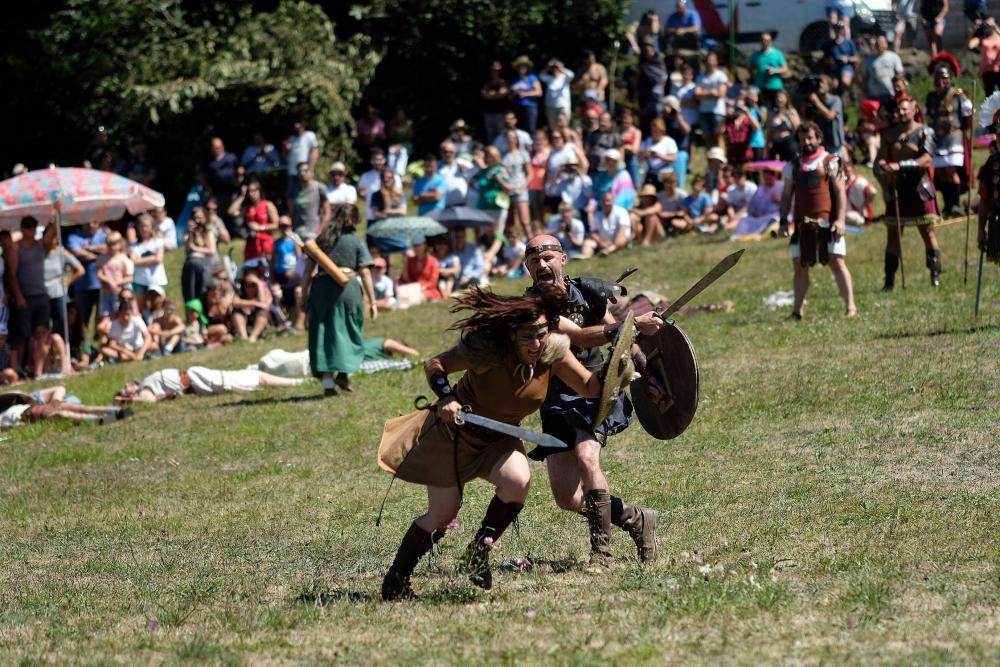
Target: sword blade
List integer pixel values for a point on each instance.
(717, 271)
(542, 439)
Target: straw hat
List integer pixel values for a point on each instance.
(522, 60)
(716, 153)
(648, 190)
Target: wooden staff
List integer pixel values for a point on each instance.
(323, 260)
(899, 231)
(972, 181)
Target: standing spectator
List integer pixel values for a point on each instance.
(614, 178)
(200, 257)
(458, 134)
(678, 130)
(976, 12)
(601, 140)
(536, 179)
(340, 191)
(284, 265)
(147, 258)
(517, 161)
(215, 223)
(165, 228)
(631, 137)
(261, 219)
(932, 15)
(987, 40)
(560, 154)
(260, 156)
(879, 70)
(303, 147)
(568, 132)
(309, 207)
(371, 180)
(57, 261)
(220, 172)
(710, 90)
(114, 271)
(429, 190)
(907, 20)
(397, 158)
(759, 117)
(653, 80)
(422, 267)
(370, 129)
(493, 185)
(841, 58)
(826, 109)
(139, 168)
(782, 123)
(769, 68)
(456, 186)
(684, 91)
(612, 228)
(401, 131)
(525, 93)
(127, 336)
(594, 79)
(510, 123)
(658, 152)
(494, 95)
(683, 28)
(87, 244)
(739, 126)
(557, 78)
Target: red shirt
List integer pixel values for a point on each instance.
(262, 243)
(426, 274)
(738, 139)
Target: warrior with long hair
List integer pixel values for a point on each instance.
(509, 351)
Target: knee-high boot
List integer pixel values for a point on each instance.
(416, 542)
(499, 515)
(934, 266)
(891, 264)
(597, 504)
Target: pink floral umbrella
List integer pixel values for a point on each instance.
(73, 196)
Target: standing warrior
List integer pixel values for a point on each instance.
(989, 184)
(949, 115)
(816, 180)
(578, 484)
(510, 354)
(903, 168)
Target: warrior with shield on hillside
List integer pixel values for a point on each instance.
(904, 169)
(575, 476)
(949, 115)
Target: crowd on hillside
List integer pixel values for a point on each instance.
(555, 150)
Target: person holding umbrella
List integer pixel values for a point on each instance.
(336, 312)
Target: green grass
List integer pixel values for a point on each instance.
(840, 482)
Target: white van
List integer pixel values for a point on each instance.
(797, 25)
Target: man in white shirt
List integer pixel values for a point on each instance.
(556, 78)
(457, 186)
(371, 180)
(165, 228)
(303, 146)
(571, 232)
(612, 228)
(340, 191)
(128, 337)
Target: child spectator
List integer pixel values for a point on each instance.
(251, 307)
(195, 327)
(114, 271)
(382, 285)
(758, 115)
(738, 128)
(869, 137)
(285, 258)
(449, 265)
(46, 352)
(700, 209)
(167, 329)
(146, 255)
(127, 338)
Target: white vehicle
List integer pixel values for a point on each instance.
(797, 25)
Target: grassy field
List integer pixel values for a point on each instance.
(836, 500)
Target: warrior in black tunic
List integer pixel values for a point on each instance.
(577, 481)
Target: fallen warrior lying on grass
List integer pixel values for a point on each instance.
(50, 403)
(174, 382)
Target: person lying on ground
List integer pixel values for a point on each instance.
(50, 403)
(198, 380)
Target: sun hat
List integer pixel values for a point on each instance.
(716, 153)
(613, 154)
(522, 60)
(648, 190)
(338, 167)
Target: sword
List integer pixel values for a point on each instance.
(709, 278)
(466, 416)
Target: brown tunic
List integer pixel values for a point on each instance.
(418, 448)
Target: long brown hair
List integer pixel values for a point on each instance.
(343, 218)
(494, 316)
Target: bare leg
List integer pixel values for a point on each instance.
(929, 237)
(240, 324)
(653, 230)
(511, 476)
(588, 458)
(564, 480)
(838, 266)
(392, 346)
(443, 504)
(800, 286)
(259, 324)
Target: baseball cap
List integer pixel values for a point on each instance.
(157, 289)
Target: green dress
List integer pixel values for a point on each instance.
(337, 314)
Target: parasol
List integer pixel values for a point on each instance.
(764, 165)
(462, 216)
(405, 228)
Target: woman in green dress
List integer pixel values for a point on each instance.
(337, 314)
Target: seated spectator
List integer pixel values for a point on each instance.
(738, 196)
(511, 255)
(251, 306)
(491, 244)
(126, 336)
(574, 187)
(646, 216)
(195, 326)
(701, 213)
(714, 182)
(840, 58)
(339, 190)
(382, 285)
(710, 89)
(167, 329)
(430, 189)
(165, 228)
(764, 208)
(387, 201)
(673, 213)
(471, 259)
(155, 298)
(826, 109)
(613, 177)
(115, 273)
(146, 256)
(260, 218)
(422, 267)
(561, 153)
(449, 265)
(50, 404)
(860, 196)
(218, 311)
(657, 152)
(612, 228)
(46, 352)
(571, 232)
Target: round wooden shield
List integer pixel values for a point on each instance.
(671, 359)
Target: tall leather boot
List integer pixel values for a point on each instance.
(499, 515)
(597, 504)
(891, 264)
(416, 542)
(934, 265)
(640, 523)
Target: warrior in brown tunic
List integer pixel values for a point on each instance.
(509, 352)
(903, 168)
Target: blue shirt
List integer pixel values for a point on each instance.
(284, 254)
(697, 206)
(525, 85)
(473, 263)
(79, 241)
(757, 136)
(435, 182)
(837, 50)
(687, 20)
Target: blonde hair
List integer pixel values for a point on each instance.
(113, 238)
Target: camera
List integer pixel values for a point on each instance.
(809, 85)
